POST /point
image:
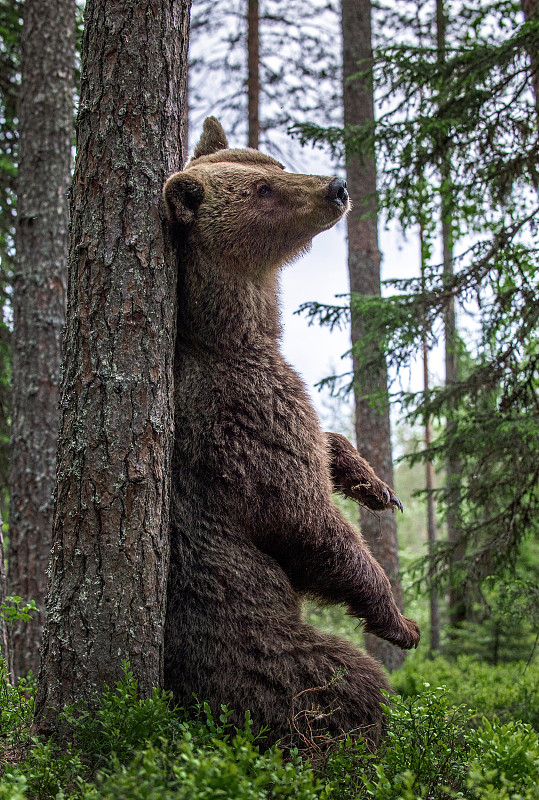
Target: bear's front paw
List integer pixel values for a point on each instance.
(404, 633)
(354, 477)
(374, 494)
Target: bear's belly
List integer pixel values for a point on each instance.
(228, 603)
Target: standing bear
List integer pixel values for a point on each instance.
(253, 526)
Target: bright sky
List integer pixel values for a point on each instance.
(314, 351)
(320, 275)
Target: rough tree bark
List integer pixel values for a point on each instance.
(107, 589)
(372, 423)
(253, 79)
(45, 111)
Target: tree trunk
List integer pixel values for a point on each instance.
(107, 589)
(4, 645)
(372, 423)
(529, 7)
(434, 609)
(457, 602)
(253, 81)
(429, 479)
(44, 174)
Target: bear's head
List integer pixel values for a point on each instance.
(240, 208)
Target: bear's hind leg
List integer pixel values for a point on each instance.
(342, 695)
(311, 689)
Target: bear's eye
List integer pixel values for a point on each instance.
(263, 190)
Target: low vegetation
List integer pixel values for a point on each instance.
(437, 746)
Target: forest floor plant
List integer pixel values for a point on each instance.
(127, 748)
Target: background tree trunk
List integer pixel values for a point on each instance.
(372, 424)
(457, 600)
(107, 587)
(434, 610)
(44, 174)
(529, 7)
(4, 646)
(253, 80)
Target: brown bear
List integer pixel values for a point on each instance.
(253, 526)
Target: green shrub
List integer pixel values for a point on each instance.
(334, 620)
(504, 758)
(432, 752)
(507, 691)
(127, 748)
(121, 722)
(232, 770)
(15, 608)
(424, 753)
(15, 790)
(16, 711)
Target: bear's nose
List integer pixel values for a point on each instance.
(337, 191)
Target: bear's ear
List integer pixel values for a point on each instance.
(213, 138)
(182, 194)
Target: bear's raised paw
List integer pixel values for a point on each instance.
(404, 634)
(353, 477)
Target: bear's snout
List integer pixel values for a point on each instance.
(337, 192)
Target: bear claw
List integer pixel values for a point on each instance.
(394, 501)
(353, 477)
(406, 635)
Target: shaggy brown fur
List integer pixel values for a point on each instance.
(253, 525)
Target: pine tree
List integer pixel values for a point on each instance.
(453, 467)
(107, 588)
(372, 419)
(10, 38)
(45, 136)
(477, 98)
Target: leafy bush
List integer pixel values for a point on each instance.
(504, 757)
(424, 753)
(144, 749)
(128, 748)
(15, 608)
(16, 712)
(121, 723)
(507, 691)
(433, 752)
(233, 769)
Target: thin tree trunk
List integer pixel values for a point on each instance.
(4, 644)
(431, 525)
(107, 588)
(44, 174)
(429, 479)
(529, 7)
(253, 81)
(372, 424)
(457, 603)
